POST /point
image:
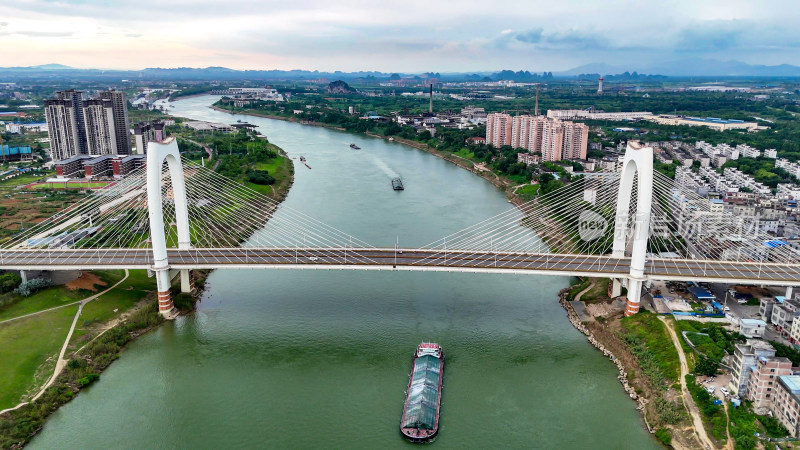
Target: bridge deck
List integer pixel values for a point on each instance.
(406, 259)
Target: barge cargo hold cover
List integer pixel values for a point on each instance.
(421, 412)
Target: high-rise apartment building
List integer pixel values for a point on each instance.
(576, 140)
(76, 98)
(62, 125)
(498, 129)
(144, 132)
(87, 127)
(554, 139)
(121, 125)
(101, 137)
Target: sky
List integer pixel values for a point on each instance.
(393, 36)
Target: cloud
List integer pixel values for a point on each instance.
(529, 37)
(538, 38)
(45, 33)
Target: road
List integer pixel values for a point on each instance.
(405, 259)
(697, 421)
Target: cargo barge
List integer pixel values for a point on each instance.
(420, 420)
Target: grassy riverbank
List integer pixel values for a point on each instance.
(109, 309)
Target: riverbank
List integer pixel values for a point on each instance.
(85, 356)
(661, 407)
(276, 117)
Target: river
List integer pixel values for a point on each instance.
(320, 359)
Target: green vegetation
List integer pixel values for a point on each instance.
(192, 90)
(711, 341)
(763, 170)
(82, 370)
(13, 305)
(26, 178)
(663, 435)
(787, 351)
(713, 415)
(650, 342)
(242, 156)
(9, 282)
(90, 185)
(527, 192)
(27, 345)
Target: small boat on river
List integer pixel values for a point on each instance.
(397, 184)
(355, 147)
(420, 421)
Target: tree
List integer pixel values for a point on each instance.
(706, 366)
(9, 282)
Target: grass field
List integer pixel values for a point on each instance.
(54, 296)
(527, 192)
(122, 298)
(26, 345)
(25, 179)
(90, 185)
(281, 169)
(466, 154)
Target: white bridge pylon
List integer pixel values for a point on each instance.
(157, 153)
(637, 160)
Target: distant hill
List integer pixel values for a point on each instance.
(696, 67)
(340, 87)
(690, 67)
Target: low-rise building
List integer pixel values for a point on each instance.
(711, 122)
(786, 403)
(122, 165)
(528, 159)
(783, 314)
(752, 328)
(744, 358)
(71, 167)
(794, 332)
(763, 379)
(15, 153)
(99, 166)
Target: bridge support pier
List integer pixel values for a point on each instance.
(615, 288)
(634, 296)
(165, 305)
(789, 292)
(187, 285)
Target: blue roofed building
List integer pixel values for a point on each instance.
(15, 153)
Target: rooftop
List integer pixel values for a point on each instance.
(791, 383)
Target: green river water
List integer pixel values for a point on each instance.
(320, 359)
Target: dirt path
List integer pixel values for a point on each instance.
(687, 396)
(730, 444)
(61, 362)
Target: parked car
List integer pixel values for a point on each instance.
(724, 390)
(711, 389)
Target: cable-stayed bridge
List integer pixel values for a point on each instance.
(173, 216)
